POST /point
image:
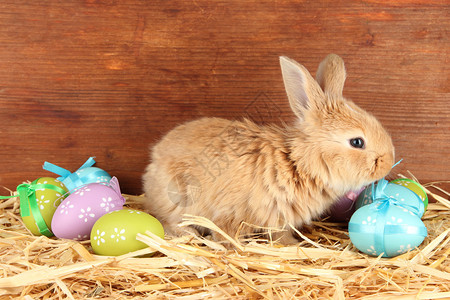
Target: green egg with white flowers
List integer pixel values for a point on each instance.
(47, 193)
(115, 233)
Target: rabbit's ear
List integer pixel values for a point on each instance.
(331, 75)
(301, 88)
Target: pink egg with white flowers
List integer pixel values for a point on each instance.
(76, 215)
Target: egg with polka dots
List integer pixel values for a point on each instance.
(76, 215)
(47, 200)
(405, 197)
(392, 230)
(115, 233)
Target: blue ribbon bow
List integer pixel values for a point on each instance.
(63, 172)
(75, 180)
(382, 200)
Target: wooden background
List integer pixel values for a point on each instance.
(109, 78)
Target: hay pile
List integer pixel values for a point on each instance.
(324, 265)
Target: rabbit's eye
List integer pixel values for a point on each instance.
(357, 143)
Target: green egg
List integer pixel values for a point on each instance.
(415, 187)
(115, 233)
(47, 200)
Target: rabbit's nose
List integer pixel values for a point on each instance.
(386, 161)
(382, 165)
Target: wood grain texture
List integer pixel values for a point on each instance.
(109, 78)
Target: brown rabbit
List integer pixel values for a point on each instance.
(270, 176)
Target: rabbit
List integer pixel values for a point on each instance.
(234, 171)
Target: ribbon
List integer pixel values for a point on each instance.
(389, 229)
(28, 203)
(63, 172)
(114, 184)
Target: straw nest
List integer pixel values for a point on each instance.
(324, 265)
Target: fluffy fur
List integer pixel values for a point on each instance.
(271, 176)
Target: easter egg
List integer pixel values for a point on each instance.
(47, 193)
(85, 176)
(344, 207)
(415, 187)
(115, 233)
(405, 196)
(365, 197)
(77, 214)
(382, 227)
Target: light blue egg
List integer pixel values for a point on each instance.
(85, 176)
(403, 195)
(396, 229)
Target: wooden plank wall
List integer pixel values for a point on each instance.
(109, 78)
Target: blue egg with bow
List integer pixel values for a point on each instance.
(383, 189)
(385, 227)
(84, 175)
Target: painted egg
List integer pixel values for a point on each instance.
(77, 214)
(405, 197)
(343, 209)
(383, 227)
(415, 187)
(365, 197)
(47, 193)
(115, 233)
(84, 175)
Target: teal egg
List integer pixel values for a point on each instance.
(415, 187)
(85, 176)
(403, 195)
(365, 197)
(393, 230)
